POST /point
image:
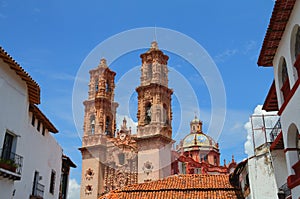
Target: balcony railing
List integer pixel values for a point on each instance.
(11, 161)
(284, 191)
(275, 131)
(40, 190)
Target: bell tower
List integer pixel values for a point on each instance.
(154, 131)
(99, 127)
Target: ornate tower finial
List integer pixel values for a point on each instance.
(154, 45)
(103, 63)
(124, 126)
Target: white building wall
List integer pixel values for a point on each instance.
(40, 153)
(291, 113)
(261, 178)
(284, 50)
(280, 169)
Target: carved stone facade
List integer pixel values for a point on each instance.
(114, 158)
(154, 131)
(109, 157)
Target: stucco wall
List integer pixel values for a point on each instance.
(261, 178)
(40, 153)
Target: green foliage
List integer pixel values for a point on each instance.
(8, 162)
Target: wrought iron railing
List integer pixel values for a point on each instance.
(39, 191)
(284, 191)
(275, 131)
(11, 161)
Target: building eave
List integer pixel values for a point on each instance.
(32, 86)
(279, 19)
(40, 116)
(271, 103)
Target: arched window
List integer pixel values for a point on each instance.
(297, 41)
(165, 114)
(215, 160)
(107, 86)
(148, 113)
(149, 72)
(92, 124)
(284, 78)
(293, 138)
(108, 126)
(295, 49)
(96, 85)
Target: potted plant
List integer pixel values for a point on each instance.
(8, 164)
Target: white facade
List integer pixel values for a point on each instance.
(261, 177)
(41, 153)
(255, 176)
(287, 164)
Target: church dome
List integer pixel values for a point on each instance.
(198, 139)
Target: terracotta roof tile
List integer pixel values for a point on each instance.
(181, 187)
(280, 16)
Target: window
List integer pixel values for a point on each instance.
(32, 120)
(183, 168)
(37, 188)
(107, 126)
(148, 113)
(197, 171)
(96, 85)
(121, 158)
(215, 160)
(92, 123)
(284, 79)
(107, 87)
(297, 41)
(205, 158)
(52, 182)
(7, 151)
(165, 114)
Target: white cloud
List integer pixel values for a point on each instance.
(224, 55)
(74, 189)
(261, 126)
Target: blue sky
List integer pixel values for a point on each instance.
(51, 39)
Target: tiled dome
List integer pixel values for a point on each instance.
(198, 139)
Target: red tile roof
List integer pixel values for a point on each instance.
(280, 16)
(193, 186)
(32, 86)
(271, 103)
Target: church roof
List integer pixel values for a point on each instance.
(198, 139)
(181, 187)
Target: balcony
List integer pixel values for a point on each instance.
(10, 165)
(284, 192)
(275, 131)
(38, 192)
(276, 137)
